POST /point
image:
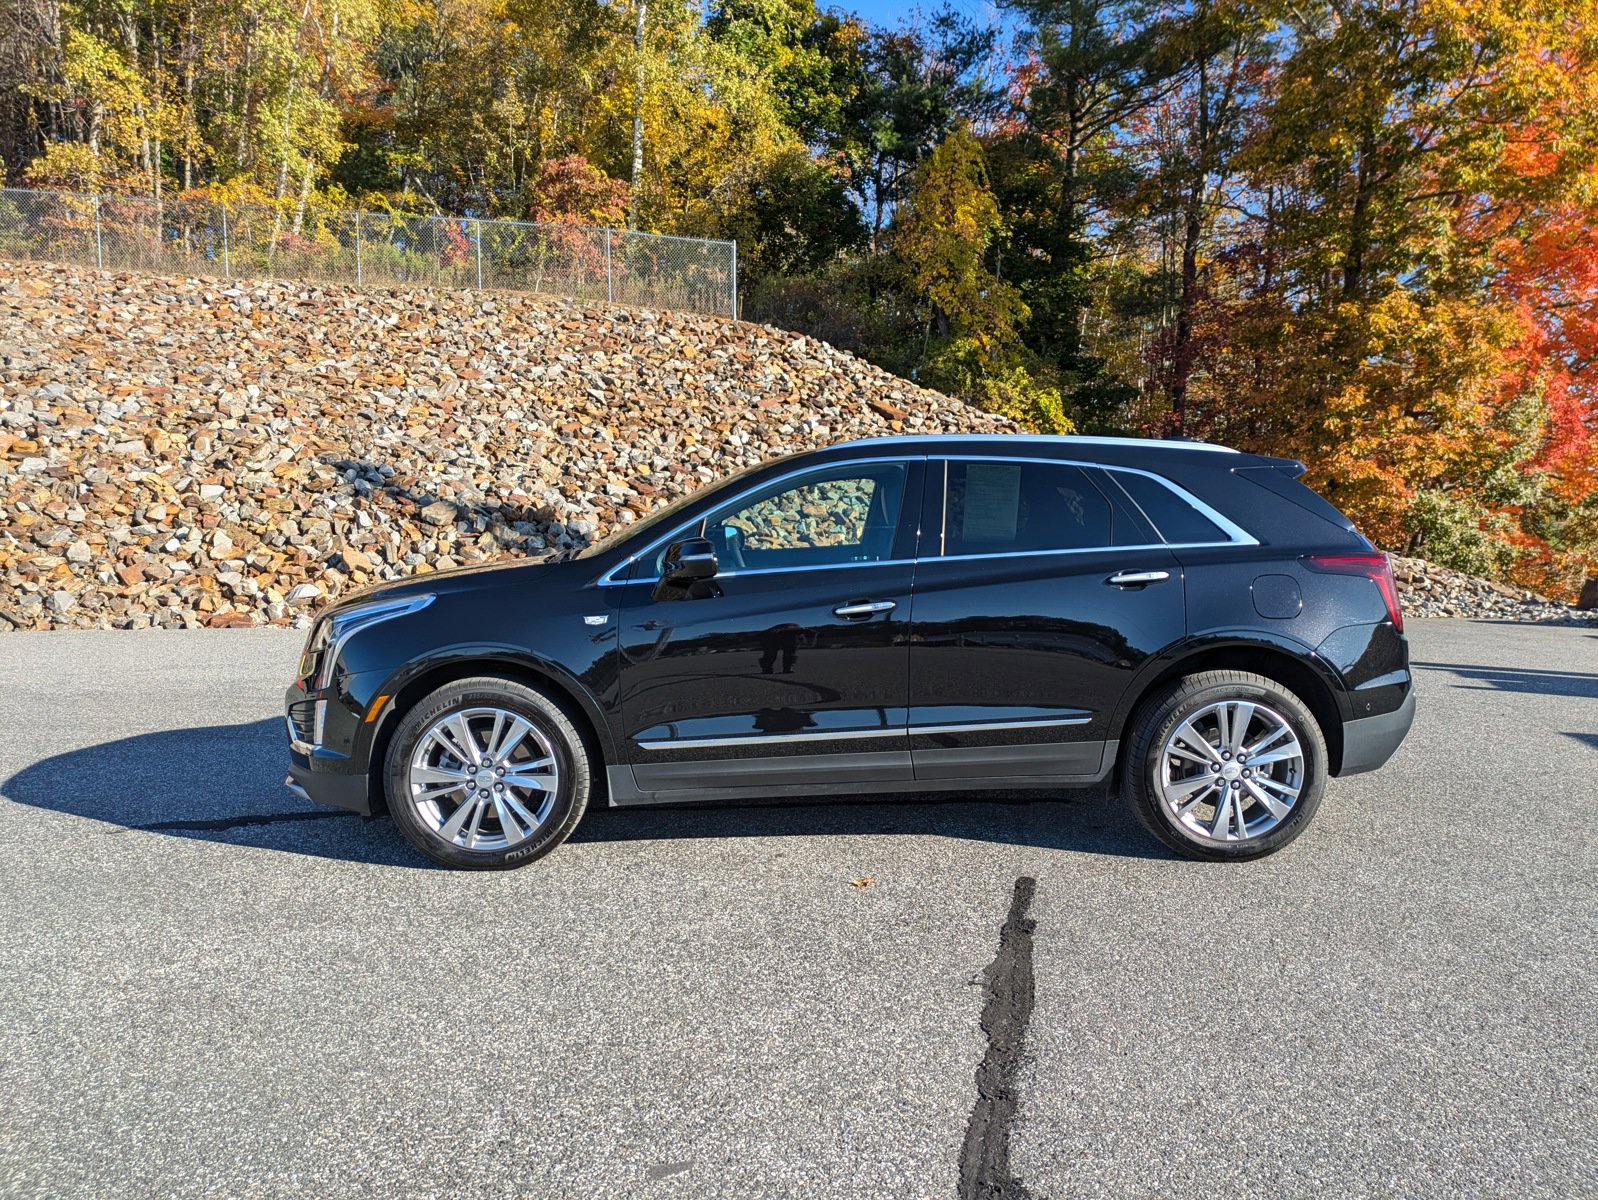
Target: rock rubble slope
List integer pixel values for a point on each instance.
(183, 452)
(193, 452)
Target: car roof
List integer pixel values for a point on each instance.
(1110, 451)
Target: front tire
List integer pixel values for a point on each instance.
(1225, 766)
(487, 774)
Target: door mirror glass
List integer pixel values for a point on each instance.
(688, 560)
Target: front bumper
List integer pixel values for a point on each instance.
(316, 773)
(1371, 741)
(321, 787)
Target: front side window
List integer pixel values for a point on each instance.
(1015, 507)
(845, 514)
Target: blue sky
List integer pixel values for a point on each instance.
(890, 14)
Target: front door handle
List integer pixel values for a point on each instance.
(1125, 579)
(864, 608)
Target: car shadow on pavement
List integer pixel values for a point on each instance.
(1519, 679)
(1590, 739)
(224, 784)
(1086, 821)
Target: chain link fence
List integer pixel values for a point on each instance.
(191, 237)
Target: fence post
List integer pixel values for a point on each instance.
(479, 254)
(99, 244)
(357, 247)
(227, 257)
(734, 281)
(610, 279)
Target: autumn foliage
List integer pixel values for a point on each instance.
(1362, 233)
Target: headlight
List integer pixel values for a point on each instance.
(330, 633)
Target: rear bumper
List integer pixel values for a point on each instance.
(1371, 741)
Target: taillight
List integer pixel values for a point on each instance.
(1374, 567)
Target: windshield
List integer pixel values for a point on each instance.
(660, 517)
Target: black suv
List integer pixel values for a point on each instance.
(900, 614)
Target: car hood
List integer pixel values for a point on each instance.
(518, 572)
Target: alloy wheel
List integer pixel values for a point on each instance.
(1231, 772)
(483, 778)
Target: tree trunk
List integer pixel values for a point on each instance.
(30, 54)
(640, 73)
(1359, 223)
(1192, 227)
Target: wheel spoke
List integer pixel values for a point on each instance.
(1270, 739)
(540, 774)
(1197, 799)
(1281, 754)
(1182, 752)
(466, 742)
(1221, 826)
(1276, 785)
(1272, 805)
(1237, 808)
(477, 822)
(438, 775)
(1186, 733)
(516, 807)
(499, 747)
(451, 828)
(1242, 718)
(513, 832)
(1181, 789)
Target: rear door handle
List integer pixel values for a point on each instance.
(1137, 578)
(864, 608)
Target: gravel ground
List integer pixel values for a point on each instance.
(212, 989)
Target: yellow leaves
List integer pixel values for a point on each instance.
(942, 236)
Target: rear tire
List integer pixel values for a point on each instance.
(1225, 766)
(486, 774)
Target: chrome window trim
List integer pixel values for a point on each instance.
(830, 735)
(1238, 535)
(608, 580)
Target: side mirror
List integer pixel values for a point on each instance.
(688, 560)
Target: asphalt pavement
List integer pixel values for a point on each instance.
(208, 987)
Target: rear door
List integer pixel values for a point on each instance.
(1039, 593)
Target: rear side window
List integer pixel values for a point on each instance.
(1014, 507)
(1177, 521)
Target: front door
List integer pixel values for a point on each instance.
(790, 667)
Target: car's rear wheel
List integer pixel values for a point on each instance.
(1225, 765)
(487, 774)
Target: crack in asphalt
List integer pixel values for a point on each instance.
(221, 823)
(985, 1157)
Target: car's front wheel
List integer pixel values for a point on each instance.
(486, 774)
(1225, 765)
